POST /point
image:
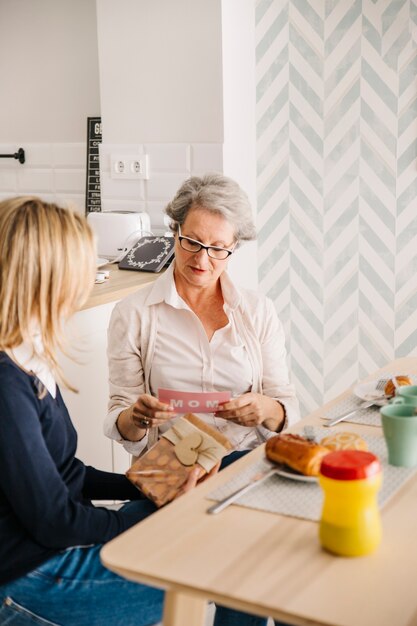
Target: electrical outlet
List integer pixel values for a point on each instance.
(139, 167)
(136, 166)
(129, 166)
(119, 166)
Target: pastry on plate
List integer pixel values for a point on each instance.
(344, 441)
(300, 454)
(399, 382)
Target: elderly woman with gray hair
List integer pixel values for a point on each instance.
(194, 330)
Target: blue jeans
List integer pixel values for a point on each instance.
(73, 588)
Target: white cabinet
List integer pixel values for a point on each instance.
(89, 374)
(87, 370)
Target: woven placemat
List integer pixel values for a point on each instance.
(366, 417)
(304, 500)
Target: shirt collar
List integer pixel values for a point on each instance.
(25, 356)
(164, 290)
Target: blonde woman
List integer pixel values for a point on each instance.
(51, 534)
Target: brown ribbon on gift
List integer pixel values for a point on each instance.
(192, 445)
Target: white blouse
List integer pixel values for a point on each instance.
(221, 364)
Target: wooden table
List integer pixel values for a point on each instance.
(273, 565)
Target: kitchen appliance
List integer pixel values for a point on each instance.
(118, 231)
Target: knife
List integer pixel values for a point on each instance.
(257, 478)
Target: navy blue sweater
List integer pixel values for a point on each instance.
(44, 489)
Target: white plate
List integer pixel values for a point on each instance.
(287, 472)
(368, 391)
(101, 262)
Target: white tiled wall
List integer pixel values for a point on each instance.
(169, 165)
(56, 172)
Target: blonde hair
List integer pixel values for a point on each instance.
(47, 265)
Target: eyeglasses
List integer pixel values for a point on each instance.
(215, 252)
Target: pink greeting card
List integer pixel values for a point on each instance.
(193, 402)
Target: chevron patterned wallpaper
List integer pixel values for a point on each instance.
(337, 184)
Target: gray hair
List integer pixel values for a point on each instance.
(216, 193)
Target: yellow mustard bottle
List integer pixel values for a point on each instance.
(350, 523)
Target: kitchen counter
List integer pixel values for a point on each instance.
(120, 284)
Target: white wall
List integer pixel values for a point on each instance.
(48, 70)
(49, 86)
(160, 70)
(189, 102)
(176, 81)
(239, 108)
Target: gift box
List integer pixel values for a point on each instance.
(162, 471)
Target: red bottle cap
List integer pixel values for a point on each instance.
(350, 465)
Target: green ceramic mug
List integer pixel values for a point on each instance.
(406, 394)
(399, 423)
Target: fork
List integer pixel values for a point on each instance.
(365, 405)
(309, 433)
